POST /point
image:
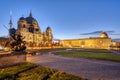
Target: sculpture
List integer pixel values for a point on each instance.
(17, 43)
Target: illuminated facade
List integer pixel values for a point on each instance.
(102, 42)
(30, 30)
(115, 46)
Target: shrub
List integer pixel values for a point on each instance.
(60, 75)
(29, 71)
(41, 73)
(13, 71)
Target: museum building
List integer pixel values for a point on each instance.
(102, 42)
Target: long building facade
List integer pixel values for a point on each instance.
(102, 42)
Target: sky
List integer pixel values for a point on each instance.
(67, 18)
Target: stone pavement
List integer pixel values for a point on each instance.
(90, 69)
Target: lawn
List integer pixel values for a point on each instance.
(29, 71)
(100, 54)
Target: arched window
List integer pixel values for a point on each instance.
(23, 25)
(31, 29)
(37, 29)
(18, 25)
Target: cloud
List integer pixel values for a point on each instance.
(97, 32)
(115, 34)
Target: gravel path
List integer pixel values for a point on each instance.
(90, 69)
(116, 52)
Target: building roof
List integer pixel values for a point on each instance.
(22, 18)
(30, 19)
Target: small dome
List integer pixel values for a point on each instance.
(48, 28)
(104, 35)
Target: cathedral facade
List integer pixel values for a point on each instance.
(33, 36)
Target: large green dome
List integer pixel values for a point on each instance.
(22, 18)
(30, 20)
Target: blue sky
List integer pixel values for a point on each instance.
(67, 18)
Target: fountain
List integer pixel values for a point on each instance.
(17, 50)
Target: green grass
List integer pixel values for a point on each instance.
(29, 71)
(91, 54)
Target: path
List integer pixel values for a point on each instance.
(116, 52)
(91, 69)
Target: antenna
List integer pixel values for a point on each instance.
(10, 14)
(10, 23)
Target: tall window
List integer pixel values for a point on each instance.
(31, 29)
(23, 25)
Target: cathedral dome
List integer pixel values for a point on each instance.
(34, 21)
(22, 18)
(104, 35)
(30, 19)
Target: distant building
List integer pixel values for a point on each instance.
(102, 42)
(115, 45)
(2, 41)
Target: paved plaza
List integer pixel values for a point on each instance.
(90, 69)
